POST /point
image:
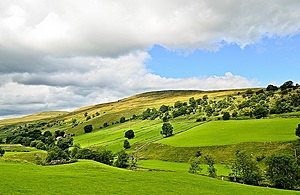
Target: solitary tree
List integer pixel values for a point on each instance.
(129, 134)
(126, 144)
(167, 129)
(88, 128)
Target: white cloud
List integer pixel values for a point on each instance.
(111, 28)
(65, 54)
(105, 79)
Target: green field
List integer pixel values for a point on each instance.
(88, 177)
(180, 167)
(145, 131)
(236, 131)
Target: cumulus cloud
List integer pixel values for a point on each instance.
(54, 53)
(105, 79)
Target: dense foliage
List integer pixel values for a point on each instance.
(88, 128)
(167, 130)
(129, 134)
(283, 171)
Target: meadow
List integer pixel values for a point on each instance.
(89, 177)
(163, 163)
(236, 131)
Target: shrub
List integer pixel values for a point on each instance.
(167, 129)
(126, 144)
(88, 128)
(122, 160)
(129, 134)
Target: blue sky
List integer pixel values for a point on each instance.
(70, 54)
(272, 60)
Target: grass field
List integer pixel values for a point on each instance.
(180, 167)
(236, 131)
(145, 131)
(88, 177)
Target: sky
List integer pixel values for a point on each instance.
(62, 55)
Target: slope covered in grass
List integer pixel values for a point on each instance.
(88, 177)
(236, 131)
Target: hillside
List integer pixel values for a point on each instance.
(261, 122)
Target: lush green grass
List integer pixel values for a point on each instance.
(236, 131)
(28, 157)
(145, 131)
(88, 177)
(180, 167)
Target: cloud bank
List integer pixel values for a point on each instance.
(66, 54)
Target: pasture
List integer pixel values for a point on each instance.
(236, 131)
(89, 177)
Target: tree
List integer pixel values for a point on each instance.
(163, 108)
(212, 171)
(192, 102)
(56, 153)
(122, 119)
(298, 130)
(105, 124)
(59, 133)
(167, 129)
(129, 134)
(283, 171)
(2, 152)
(245, 169)
(75, 150)
(286, 85)
(260, 111)
(126, 144)
(65, 143)
(88, 128)
(40, 145)
(272, 88)
(146, 114)
(47, 134)
(177, 104)
(195, 166)
(122, 160)
(226, 116)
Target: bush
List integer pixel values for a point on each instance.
(129, 134)
(88, 128)
(40, 145)
(126, 144)
(122, 160)
(283, 171)
(122, 119)
(226, 116)
(167, 129)
(56, 153)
